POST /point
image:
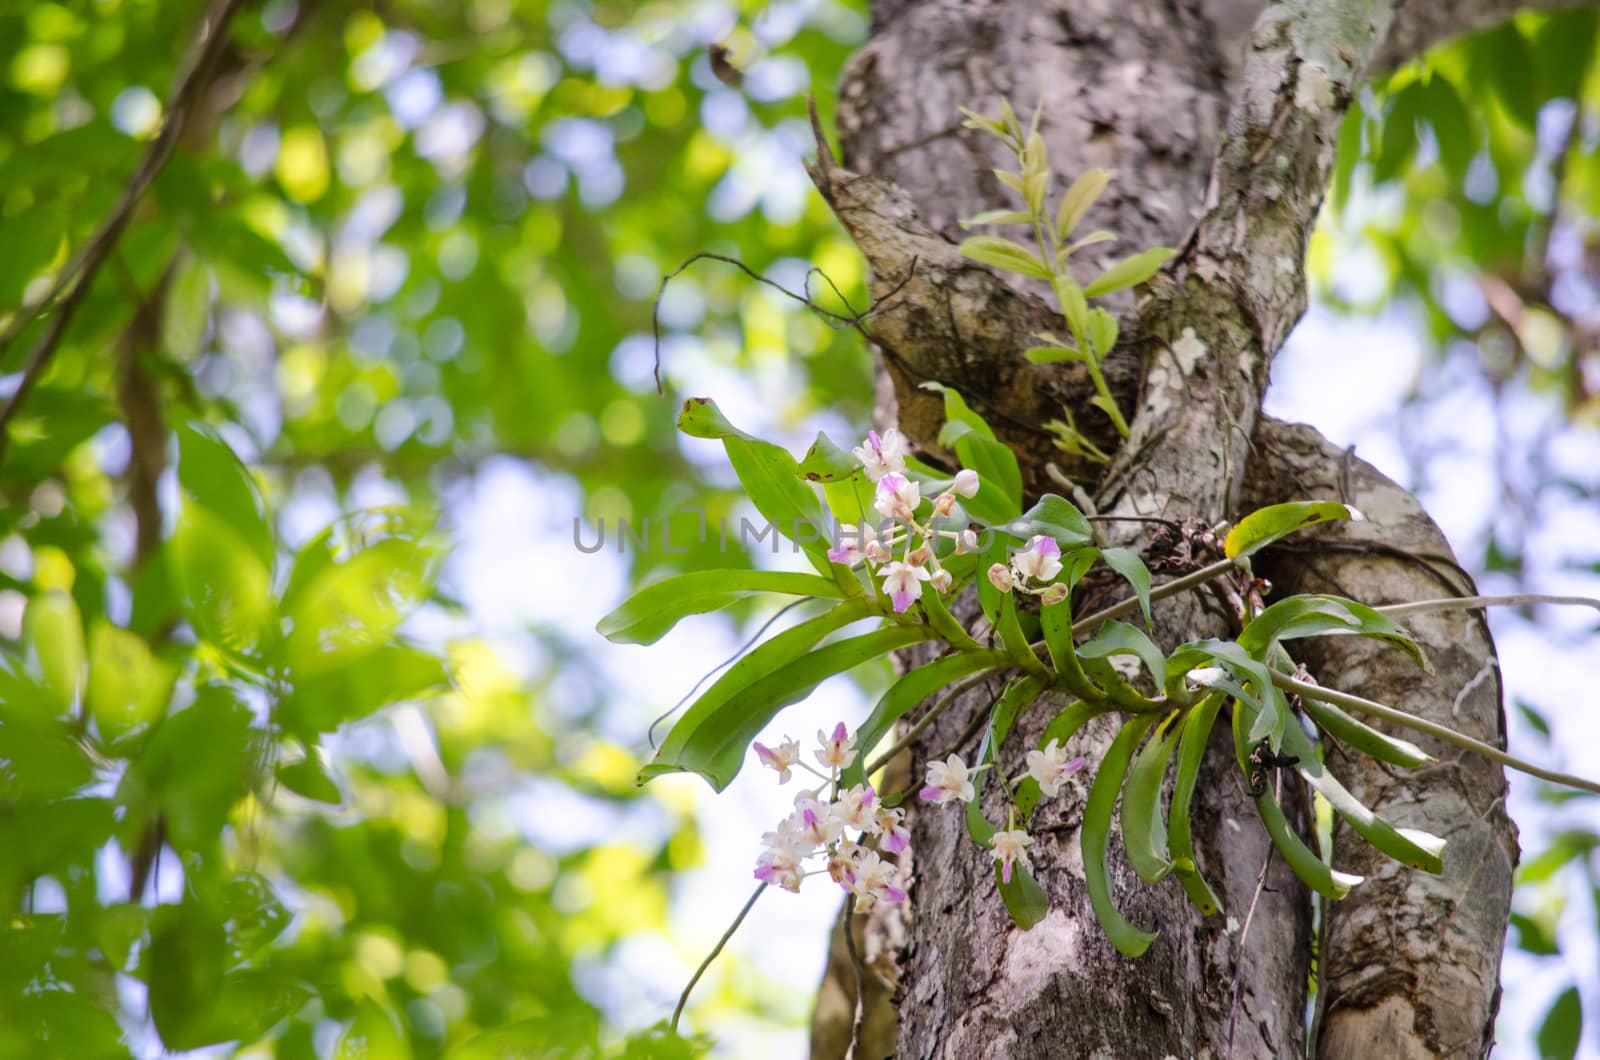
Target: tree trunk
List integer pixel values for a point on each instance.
(1217, 121)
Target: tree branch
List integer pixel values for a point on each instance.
(78, 278)
(1418, 27)
(1396, 980)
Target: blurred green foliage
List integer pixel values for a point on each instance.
(249, 792)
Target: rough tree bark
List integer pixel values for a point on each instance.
(1217, 119)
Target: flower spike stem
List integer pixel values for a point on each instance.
(1411, 721)
(683, 999)
(1089, 623)
(1473, 603)
(926, 720)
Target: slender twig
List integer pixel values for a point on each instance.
(860, 1015)
(926, 720)
(650, 734)
(77, 279)
(1160, 592)
(828, 316)
(1473, 603)
(683, 999)
(1099, 518)
(1448, 735)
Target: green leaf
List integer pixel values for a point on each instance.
(1420, 850)
(1317, 874)
(52, 629)
(1399, 139)
(957, 411)
(1054, 517)
(1502, 59)
(1310, 615)
(1102, 332)
(1144, 834)
(1535, 720)
(999, 495)
(250, 1001)
(373, 1035)
(827, 462)
(1265, 525)
(647, 615)
(1565, 848)
(1077, 199)
(351, 608)
(194, 767)
(59, 835)
(768, 657)
(309, 777)
(1180, 841)
(225, 588)
(1129, 272)
(129, 687)
(1362, 737)
(999, 477)
(1534, 936)
(1092, 239)
(998, 217)
(213, 477)
(1053, 354)
(252, 913)
(944, 623)
(713, 735)
(1348, 152)
(771, 478)
(1016, 643)
(1561, 1031)
(1564, 44)
(1055, 622)
(908, 691)
(1127, 563)
(54, 421)
(1004, 254)
(39, 759)
(1025, 900)
(1095, 834)
(1074, 306)
(187, 310)
(1119, 638)
(1452, 127)
(989, 597)
(184, 966)
(323, 700)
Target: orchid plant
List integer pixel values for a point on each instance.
(939, 533)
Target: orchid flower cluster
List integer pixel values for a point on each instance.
(1039, 563)
(951, 781)
(818, 827)
(897, 498)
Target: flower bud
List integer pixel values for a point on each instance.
(941, 580)
(1053, 594)
(919, 555)
(944, 503)
(966, 483)
(877, 552)
(967, 542)
(1000, 577)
